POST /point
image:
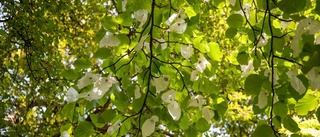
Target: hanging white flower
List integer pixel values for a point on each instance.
(263, 98)
(186, 51)
(247, 68)
(201, 64)
(161, 83)
(313, 27)
(137, 93)
(174, 110)
(314, 76)
(65, 134)
(148, 126)
(87, 79)
(232, 2)
(295, 82)
(101, 86)
(162, 42)
(179, 26)
(301, 28)
(72, 95)
(180, 15)
(141, 16)
(207, 114)
(124, 3)
(109, 40)
(196, 101)
(263, 40)
(173, 106)
(168, 96)
(194, 75)
(141, 43)
(268, 73)
(114, 127)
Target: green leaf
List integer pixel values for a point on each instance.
(243, 58)
(102, 53)
(280, 109)
(215, 53)
(82, 63)
(125, 127)
(221, 105)
(197, 42)
(68, 111)
(202, 125)
(70, 74)
(290, 124)
(317, 9)
(190, 12)
(97, 120)
(235, 21)
(231, 32)
(308, 103)
(137, 103)
(120, 100)
(318, 114)
(291, 6)
(263, 131)
(191, 131)
(108, 115)
(253, 84)
(84, 129)
(67, 127)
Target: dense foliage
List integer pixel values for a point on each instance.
(160, 68)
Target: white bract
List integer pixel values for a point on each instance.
(314, 76)
(263, 98)
(177, 23)
(114, 127)
(168, 96)
(268, 73)
(207, 114)
(65, 134)
(194, 75)
(148, 126)
(295, 82)
(137, 93)
(162, 42)
(173, 106)
(101, 86)
(247, 68)
(72, 95)
(201, 64)
(141, 43)
(124, 3)
(179, 26)
(263, 40)
(174, 110)
(161, 83)
(232, 2)
(186, 51)
(109, 40)
(196, 101)
(87, 79)
(180, 15)
(141, 16)
(305, 26)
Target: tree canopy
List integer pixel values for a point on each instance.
(160, 68)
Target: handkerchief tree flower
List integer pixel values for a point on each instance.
(160, 68)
